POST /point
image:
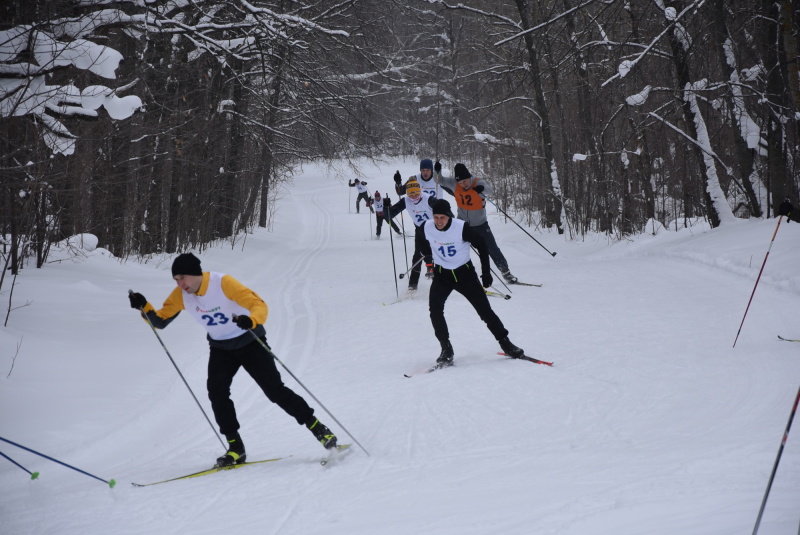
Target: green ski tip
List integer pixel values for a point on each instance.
(35, 475)
(112, 483)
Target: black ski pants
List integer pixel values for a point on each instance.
(494, 250)
(363, 195)
(379, 218)
(465, 281)
(223, 365)
(419, 239)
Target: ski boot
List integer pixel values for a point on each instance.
(511, 279)
(446, 356)
(235, 455)
(510, 349)
(322, 433)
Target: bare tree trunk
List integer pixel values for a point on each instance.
(555, 215)
(272, 110)
(737, 113)
(685, 89)
(779, 181)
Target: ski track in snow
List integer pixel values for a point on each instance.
(302, 333)
(650, 423)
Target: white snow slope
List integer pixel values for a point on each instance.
(650, 422)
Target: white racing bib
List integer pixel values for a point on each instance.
(214, 311)
(449, 248)
(420, 211)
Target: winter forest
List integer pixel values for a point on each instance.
(164, 125)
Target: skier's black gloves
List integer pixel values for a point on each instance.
(362, 183)
(479, 188)
(437, 167)
(244, 322)
(397, 178)
(486, 280)
(137, 300)
(387, 201)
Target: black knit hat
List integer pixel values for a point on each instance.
(186, 264)
(461, 171)
(442, 207)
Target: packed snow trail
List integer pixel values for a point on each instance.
(649, 423)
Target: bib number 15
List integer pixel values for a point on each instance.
(450, 251)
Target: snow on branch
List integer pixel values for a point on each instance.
(673, 19)
(23, 88)
(545, 23)
(491, 140)
(292, 20)
(481, 12)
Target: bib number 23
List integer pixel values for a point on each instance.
(216, 319)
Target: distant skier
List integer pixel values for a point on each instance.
(361, 187)
(377, 204)
(426, 178)
(449, 240)
(470, 194)
(787, 209)
(418, 205)
(213, 299)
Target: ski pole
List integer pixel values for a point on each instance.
(110, 483)
(494, 272)
(520, 226)
(181, 375)
(394, 264)
(758, 279)
(421, 258)
(498, 293)
(777, 460)
(403, 226)
(271, 354)
(34, 475)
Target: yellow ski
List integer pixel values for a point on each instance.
(206, 472)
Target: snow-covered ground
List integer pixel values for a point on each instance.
(650, 422)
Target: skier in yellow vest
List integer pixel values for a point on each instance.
(213, 299)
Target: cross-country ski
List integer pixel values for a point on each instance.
(209, 471)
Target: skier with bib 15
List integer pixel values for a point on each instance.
(449, 240)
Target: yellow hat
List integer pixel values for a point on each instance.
(412, 187)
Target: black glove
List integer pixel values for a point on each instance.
(437, 167)
(397, 178)
(387, 201)
(486, 279)
(244, 322)
(785, 208)
(363, 183)
(137, 300)
(350, 183)
(479, 188)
